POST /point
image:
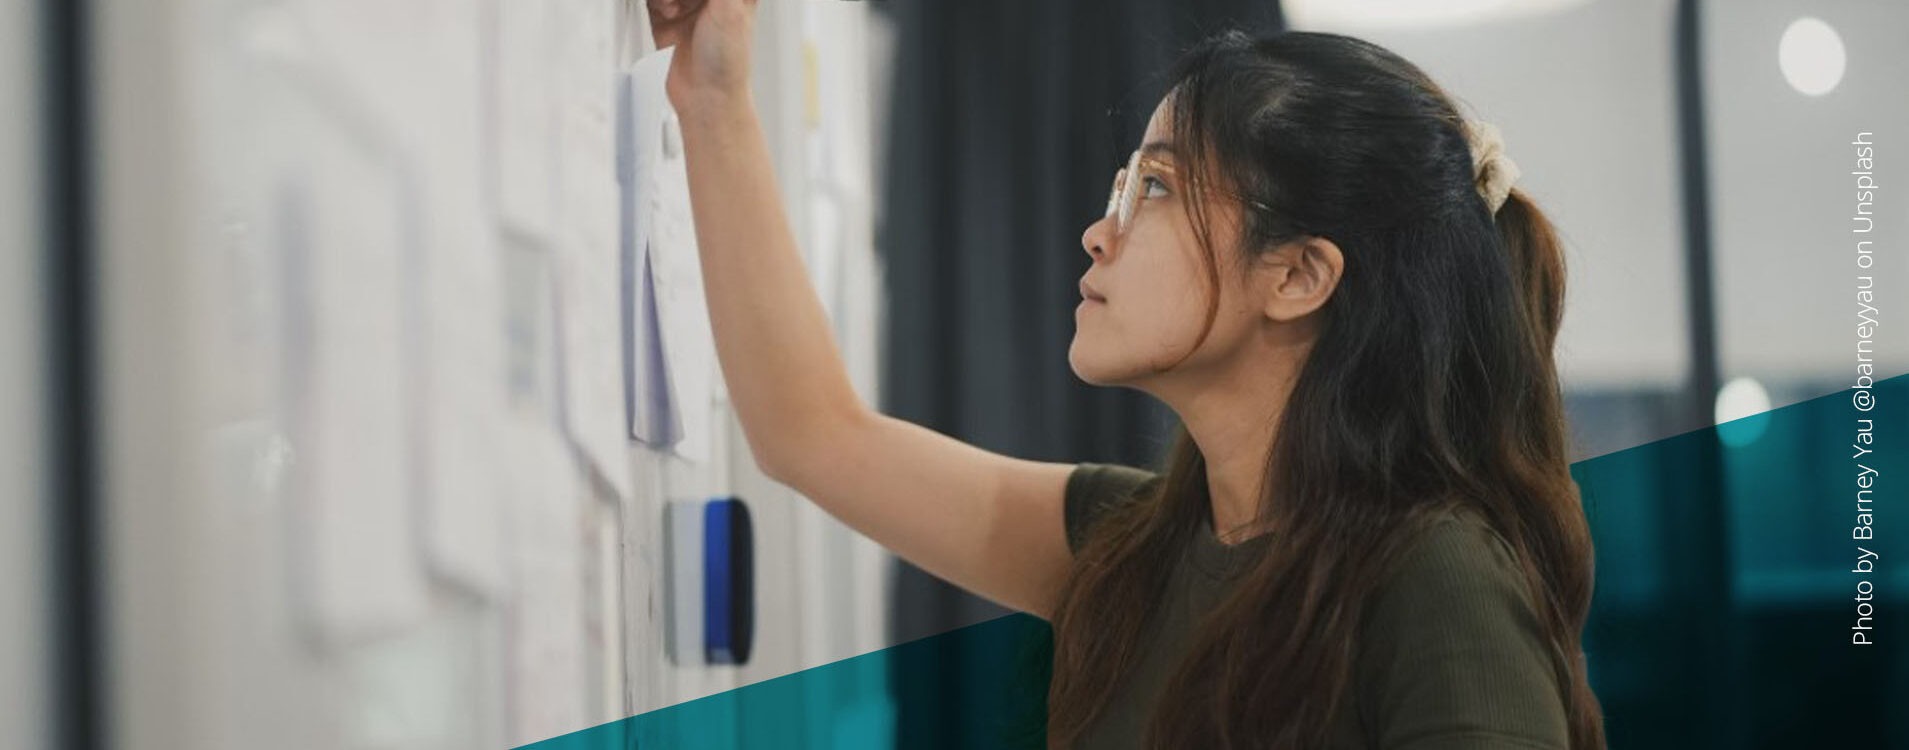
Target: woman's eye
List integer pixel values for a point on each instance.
(1151, 184)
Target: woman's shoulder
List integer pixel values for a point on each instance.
(1450, 643)
(1094, 488)
(1457, 566)
(1456, 538)
(1107, 478)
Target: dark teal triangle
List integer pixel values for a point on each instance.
(981, 686)
(1725, 593)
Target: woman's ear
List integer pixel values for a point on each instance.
(1298, 277)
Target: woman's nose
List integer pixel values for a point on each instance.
(1097, 237)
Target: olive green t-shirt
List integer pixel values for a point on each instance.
(1449, 653)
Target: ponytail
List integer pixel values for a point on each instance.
(1537, 260)
(1537, 263)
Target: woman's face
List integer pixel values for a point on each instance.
(1153, 278)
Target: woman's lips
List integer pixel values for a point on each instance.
(1087, 293)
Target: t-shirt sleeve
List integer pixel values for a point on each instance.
(1095, 488)
(1451, 652)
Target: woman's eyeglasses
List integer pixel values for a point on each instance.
(1124, 199)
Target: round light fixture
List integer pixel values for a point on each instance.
(1742, 412)
(1811, 56)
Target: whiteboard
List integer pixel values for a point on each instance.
(367, 271)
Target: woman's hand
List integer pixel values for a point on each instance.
(712, 39)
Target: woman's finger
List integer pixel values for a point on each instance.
(675, 9)
(671, 20)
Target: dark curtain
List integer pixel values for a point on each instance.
(1008, 119)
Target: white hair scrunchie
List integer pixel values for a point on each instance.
(1492, 171)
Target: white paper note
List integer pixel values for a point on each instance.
(683, 311)
(666, 312)
(652, 416)
(525, 115)
(590, 279)
(345, 236)
(460, 292)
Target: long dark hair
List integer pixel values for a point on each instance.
(1432, 385)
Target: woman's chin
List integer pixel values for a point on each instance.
(1085, 368)
(1075, 363)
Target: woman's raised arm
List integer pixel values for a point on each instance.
(989, 523)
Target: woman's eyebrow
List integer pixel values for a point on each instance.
(1157, 149)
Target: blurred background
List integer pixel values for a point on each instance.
(312, 408)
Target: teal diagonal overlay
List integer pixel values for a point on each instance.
(981, 686)
(1730, 582)
(1729, 587)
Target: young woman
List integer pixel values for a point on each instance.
(1366, 534)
